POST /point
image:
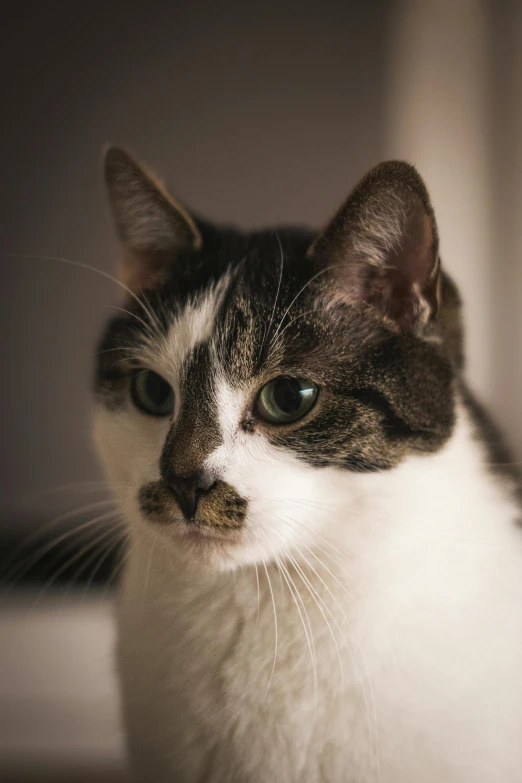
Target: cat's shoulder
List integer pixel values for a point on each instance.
(500, 459)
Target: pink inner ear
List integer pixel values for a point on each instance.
(405, 290)
(382, 248)
(401, 283)
(415, 256)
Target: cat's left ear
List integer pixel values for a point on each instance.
(380, 251)
(153, 229)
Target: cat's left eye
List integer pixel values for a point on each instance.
(152, 394)
(285, 399)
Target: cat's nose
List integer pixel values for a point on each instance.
(188, 489)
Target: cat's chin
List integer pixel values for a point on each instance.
(201, 544)
(202, 536)
(219, 554)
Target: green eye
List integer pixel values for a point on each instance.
(151, 394)
(285, 399)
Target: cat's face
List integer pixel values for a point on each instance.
(254, 378)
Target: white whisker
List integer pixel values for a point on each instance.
(267, 330)
(275, 627)
(294, 592)
(31, 537)
(82, 265)
(105, 534)
(146, 581)
(296, 297)
(136, 317)
(319, 603)
(35, 557)
(371, 710)
(258, 594)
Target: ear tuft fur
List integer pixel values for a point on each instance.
(382, 247)
(152, 227)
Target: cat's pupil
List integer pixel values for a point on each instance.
(152, 394)
(287, 395)
(157, 389)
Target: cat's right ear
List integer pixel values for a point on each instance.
(380, 251)
(153, 229)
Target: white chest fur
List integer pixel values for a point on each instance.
(399, 660)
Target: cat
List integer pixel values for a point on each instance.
(324, 575)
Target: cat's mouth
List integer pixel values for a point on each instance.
(219, 519)
(200, 534)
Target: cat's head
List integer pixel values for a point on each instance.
(253, 383)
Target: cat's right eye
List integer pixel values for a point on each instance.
(284, 399)
(152, 394)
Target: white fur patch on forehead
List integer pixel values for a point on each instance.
(166, 353)
(230, 405)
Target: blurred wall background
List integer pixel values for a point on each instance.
(252, 116)
(454, 108)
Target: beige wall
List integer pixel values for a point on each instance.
(454, 108)
(506, 255)
(437, 118)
